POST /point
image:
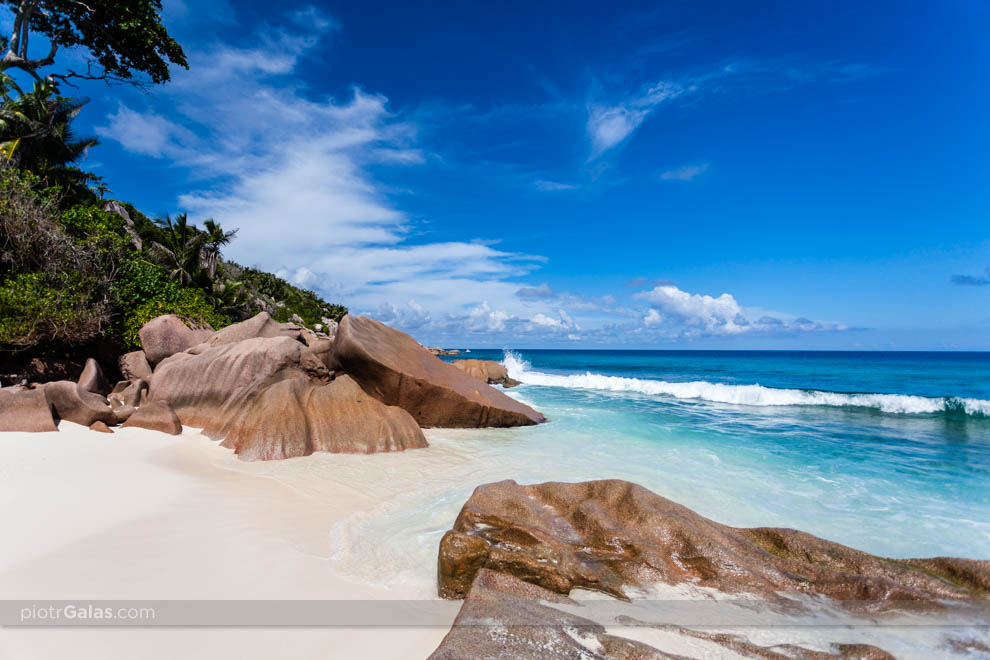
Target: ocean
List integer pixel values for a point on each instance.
(885, 452)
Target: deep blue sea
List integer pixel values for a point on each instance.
(887, 452)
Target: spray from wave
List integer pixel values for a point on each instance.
(747, 395)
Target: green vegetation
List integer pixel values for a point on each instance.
(118, 37)
(76, 270)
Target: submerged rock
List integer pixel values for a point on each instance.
(298, 417)
(25, 410)
(610, 535)
(167, 335)
(391, 366)
(487, 371)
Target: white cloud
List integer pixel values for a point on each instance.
(680, 313)
(608, 125)
(684, 173)
(292, 173)
(147, 133)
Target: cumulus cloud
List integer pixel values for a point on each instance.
(681, 313)
(684, 173)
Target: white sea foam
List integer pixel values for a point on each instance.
(746, 395)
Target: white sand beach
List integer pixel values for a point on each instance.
(143, 515)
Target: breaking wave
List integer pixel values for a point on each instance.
(747, 395)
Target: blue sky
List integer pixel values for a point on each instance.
(696, 175)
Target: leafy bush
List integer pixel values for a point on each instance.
(143, 290)
(39, 307)
(53, 287)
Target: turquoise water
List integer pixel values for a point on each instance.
(887, 452)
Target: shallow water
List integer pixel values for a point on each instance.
(894, 483)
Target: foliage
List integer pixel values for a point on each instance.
(54, 284)
(144, 290)
(36, 134)
(179, 247)
(309, 306)
(43, 307)
(121, 37)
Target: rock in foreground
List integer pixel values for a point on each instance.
(505, 618)
(391, 366)
(611, 535)
(487, 371)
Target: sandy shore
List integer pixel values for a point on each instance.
(142, 515)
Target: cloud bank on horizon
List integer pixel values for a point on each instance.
(323, 189)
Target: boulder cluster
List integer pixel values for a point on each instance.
(271, 390)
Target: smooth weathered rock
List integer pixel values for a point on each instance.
(201, 387)
(156, 416)
(391, 366)
(93, 380)
(100, 427)
(610, 535)
(298, 417)
(122, 413)
(25, 410)
(75, 404)
(505, 618)
(259, 325)
(487, 371)
(130, 395)
(134, 365)
(167, 335)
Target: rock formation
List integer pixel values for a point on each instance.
(487, 371)
(135, 365)
(505, 618)
(156, 416)
(167, 335)
(201, 388)
(75, 404)
(391, 366)
(25, 410)
(93, 380)
(259, 325)
(298, 417)
(611, 535)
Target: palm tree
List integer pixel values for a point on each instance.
(179, 247)
(36, 132)
(214, 239)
